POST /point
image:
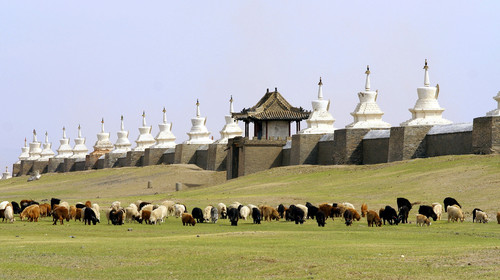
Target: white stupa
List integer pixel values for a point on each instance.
(320, 121)
(25, 152)
(122, 144)
(35, 149)
(367, 113)
(47, 152)
(427, 110)
(145, 139)
(231, 129)
(6, 175)
(80, 150)
(165, 138)
(65, 150)
(102, 145)
(495, 112)
(199, 133)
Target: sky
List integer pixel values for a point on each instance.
(65, 63)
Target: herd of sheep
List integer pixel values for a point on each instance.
(145, 212)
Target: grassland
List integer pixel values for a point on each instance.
(276, 250)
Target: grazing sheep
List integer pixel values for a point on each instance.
(428, 211)
(214, 215)
(449, 201)
(89, 216)
(438, 209)
(53, 202)
(422, 219)
(298, 214)
(3, 204)
(32, 212)
(256, 215)
(65, 205)
(206, 213)
(158, 214)
(80, 213)
(251, 206)
(304, 208)
(170, 207)
(222, 209)
(144, 203)
(197, 213)
(187, 219)
(403, 214)
(72, 212)
(59, 214)
(88, 204)
(17, 208)
(44, 210)
(364, 209)
(311, 210)
(9, 214)
(348, 216)
(269, 213)
(474, 213)
(233, 215)
(327, 209)
(131, 213)
(338, 210)
(244, 212)
(455, 213)
(116, 205)
(97, 211)
(116, 216)
(373, 218)
(281, 210)
(320, 218)
(179, 210)
(235, 204)
(389, 214)
(481, 217)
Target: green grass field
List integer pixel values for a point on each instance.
(272, 250)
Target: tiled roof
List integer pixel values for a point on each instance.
(273, 106)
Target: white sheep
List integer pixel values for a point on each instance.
(481, 217)
(170, 207)
(158, 214)
(222, 209)
(206, 213)
(97, 211)
(438, 209)
(244, 212)
(348, 205)
(9, 214)
(304, 208)
(131, 212)
(179, 210)
(3, 204)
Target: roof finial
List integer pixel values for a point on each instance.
(102, 125)
(64, 132)
(426, 75)
(197, 108)
(25, 143)
(143, 118)
(122, 127)
(79, 131)
(34, 136)
(164, 115)
(231, 109)
(276, 89)
(267, 91)
(367, 83)
(320, 90)
(46, 137)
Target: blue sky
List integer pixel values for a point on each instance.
(64, 63)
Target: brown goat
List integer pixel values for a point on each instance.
(72, 212)
(44, 210)
(146, 214)
(32, 212)
(327, 209)
(187, 219)
(79, 214)
(373, 218)
(88, 204)
(269, 213)
(59, 214)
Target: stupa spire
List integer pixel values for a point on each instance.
(367, 83)
(46, 137)
(79, 131)
(231, 109)
(25, 142)
(102, 125)
(198, 114)
(426, 75)
(320, 90)
(34, 136)
(122, 127)
(164, 115)
(143, 118)
(64, 132)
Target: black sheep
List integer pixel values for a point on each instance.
(116, 216)
(256, 215)
(297, 214)
(321, 218)
(142, 205)
(233, 214)
(54, 201)
(281, 210)
(348, 217)
(389, 214)
(450, 201)
(311, 210)
(403, 214)
(89, 216)
(427, 211)
(401, 201)
(197, 213)
(16, 208)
